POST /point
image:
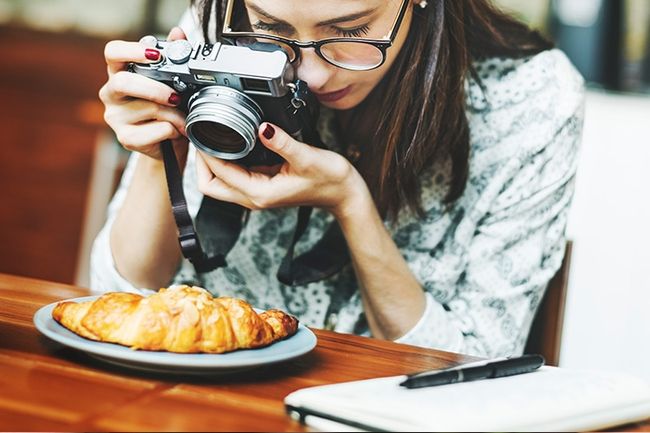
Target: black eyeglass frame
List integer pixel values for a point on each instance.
(381, 44)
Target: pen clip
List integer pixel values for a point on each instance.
(457, 367)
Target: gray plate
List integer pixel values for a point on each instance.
(300, 343)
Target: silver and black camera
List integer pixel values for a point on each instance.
(227, 91)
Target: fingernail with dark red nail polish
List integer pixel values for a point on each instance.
(175, 99)
(268, 132)
(152, 54)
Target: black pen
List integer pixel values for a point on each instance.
(475, 370)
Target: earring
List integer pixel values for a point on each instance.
(423, 4)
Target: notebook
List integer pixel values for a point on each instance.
(549, 399)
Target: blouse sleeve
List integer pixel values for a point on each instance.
(104, 276)
(514, 246)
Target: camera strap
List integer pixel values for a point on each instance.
(330, 253)
(187, 237)
(326, 258)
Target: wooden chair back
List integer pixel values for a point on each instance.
(545, 334)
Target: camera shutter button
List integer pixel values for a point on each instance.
(179, 51)
(149, 41)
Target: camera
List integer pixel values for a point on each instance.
(227, 91)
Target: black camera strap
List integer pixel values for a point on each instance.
(187, 237)
(329, 254)
(326, 258)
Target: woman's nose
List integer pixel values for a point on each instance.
(314, 70)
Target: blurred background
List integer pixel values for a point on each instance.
(59, 163)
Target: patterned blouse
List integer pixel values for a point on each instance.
(484, 263)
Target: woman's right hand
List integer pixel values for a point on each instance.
(141, 111)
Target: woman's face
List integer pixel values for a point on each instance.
(312, 20)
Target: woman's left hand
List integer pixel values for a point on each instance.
(310, 176)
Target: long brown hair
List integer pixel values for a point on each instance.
(437, 131)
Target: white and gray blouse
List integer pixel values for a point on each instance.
(484, 263)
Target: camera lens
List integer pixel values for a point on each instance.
(223, 122)
(227, 140)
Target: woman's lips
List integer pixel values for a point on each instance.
(333, 96)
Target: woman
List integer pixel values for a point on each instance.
(449, 169)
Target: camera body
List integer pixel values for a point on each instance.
(227, 91)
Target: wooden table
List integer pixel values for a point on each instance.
(46, 386)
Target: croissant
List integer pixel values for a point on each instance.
(181, 319)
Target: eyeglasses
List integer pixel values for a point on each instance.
(356, 54)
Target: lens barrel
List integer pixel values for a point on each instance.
(223, 122)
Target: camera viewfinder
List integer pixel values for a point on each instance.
(254, 85)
